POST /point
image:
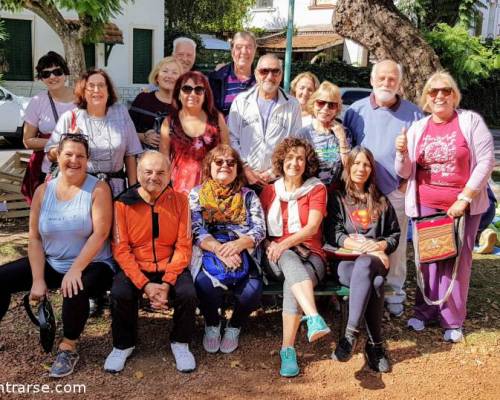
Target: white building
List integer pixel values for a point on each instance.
(133, 44)
(313, 21)
(489, 25)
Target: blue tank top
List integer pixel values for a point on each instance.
(65, 226)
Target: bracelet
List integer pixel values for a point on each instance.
(464, 197)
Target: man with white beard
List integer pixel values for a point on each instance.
(260, 118)
(375, 122)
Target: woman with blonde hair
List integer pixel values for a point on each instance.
(150, 108)
(326, 133)
(447, 158)
(302, 86)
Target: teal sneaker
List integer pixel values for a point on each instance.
(289, 367)
(316, 327)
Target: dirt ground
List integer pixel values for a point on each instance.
(424, 367)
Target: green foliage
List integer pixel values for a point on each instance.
(337, 72)
(484, 97)
(206, 16)
(3, 37)
(464, 56)
(94, 13)
(426, 14)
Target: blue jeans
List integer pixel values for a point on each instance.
(247, 293)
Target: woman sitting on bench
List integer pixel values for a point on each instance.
(295, 206)
(361, 219)
(228, 223)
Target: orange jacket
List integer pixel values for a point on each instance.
(152, 238)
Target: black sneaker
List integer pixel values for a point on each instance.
(345, 348)
(377, 358)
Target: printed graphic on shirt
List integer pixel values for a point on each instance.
(438, 157)
(361, 217)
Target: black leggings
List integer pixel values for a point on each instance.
(364, 276)
(97, 277)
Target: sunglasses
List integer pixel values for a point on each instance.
(45, 74)
(198, 90)
(231, 162)
(331, 104)
(433, 92)
(266, 71)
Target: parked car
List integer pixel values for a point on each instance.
(350, 95)
(12, 109)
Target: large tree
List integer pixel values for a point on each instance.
(92, 15)
(387, 34)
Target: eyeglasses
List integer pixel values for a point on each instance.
(231, 162)
(188, 89)
(45, 74)
(266, 71)
(93, 86)
(331, 104)
(433, 92)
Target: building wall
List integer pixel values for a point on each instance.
(306, 16)
(491, 19)
(142, 14)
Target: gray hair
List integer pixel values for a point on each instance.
(183, 40)
(244, 35)
(272, 56)
(398, 66)
(151, 153)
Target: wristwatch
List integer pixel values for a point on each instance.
(463, 197)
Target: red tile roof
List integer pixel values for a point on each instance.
(303, 41)
(111, 34)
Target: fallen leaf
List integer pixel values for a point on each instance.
(235, 364)
(138, 375)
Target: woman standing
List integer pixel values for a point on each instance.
(188, 135)
(150, 108)
(111, 134)
(41, 117)
(68, 247)
(222, 204)
(361, 219)
(302, 87)
(295, 206)
(326, 133)
(447, 158)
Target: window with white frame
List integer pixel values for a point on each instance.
(263, 4)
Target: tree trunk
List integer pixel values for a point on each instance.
(71, 35)
(387, 34)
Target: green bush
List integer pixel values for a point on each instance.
(337, 72)
(484, 97)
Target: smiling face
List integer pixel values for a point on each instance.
(243, 52)
(168, 74)
(361, 169)
(268, 75)
(96, 91)
(192, 95)
(303, 90)
(55, 79)
(385, 81)
(223, 169)
(185, 53)
(325, 107)
(72, 159)
(294, 164)
(441, 99)
(153, 173)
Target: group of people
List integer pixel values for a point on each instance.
(224, 182)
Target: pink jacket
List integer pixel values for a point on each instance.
(482, 160)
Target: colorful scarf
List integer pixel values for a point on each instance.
(222, 204)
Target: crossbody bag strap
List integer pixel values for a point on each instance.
(459, 229)
(145, 112)
(53, 106)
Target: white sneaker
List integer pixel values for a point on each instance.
(184, 359)
(415, 324)
(453, 335)
(211, 339)
(230, 340)
(115, 362)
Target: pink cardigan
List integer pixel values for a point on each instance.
(482, 161)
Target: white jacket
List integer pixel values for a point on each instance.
(245, 127)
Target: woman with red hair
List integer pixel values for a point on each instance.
(190, 133)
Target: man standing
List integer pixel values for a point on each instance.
(185, 52)
(237, 76)
(375, 122)
(262, 117)
(152, 245)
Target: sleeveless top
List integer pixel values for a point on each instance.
(187, 153)
(65, 226)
